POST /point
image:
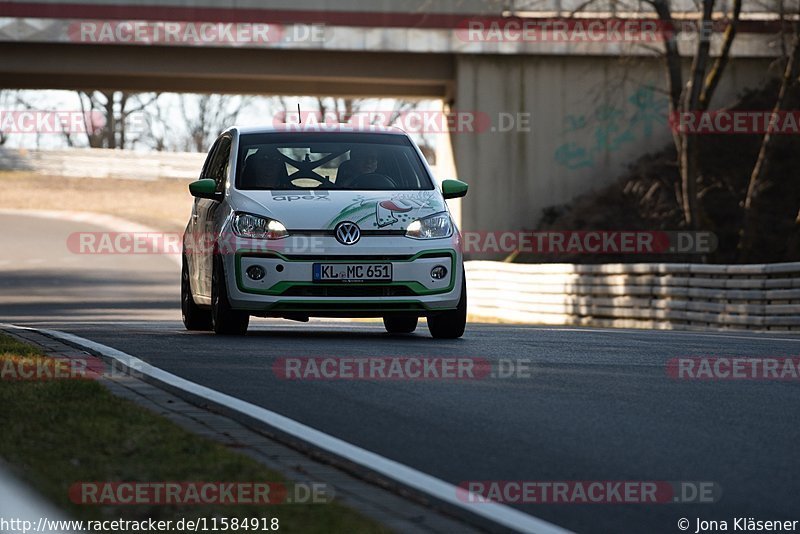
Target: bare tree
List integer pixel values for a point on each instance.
(691, 95)
(206, 116)
(791, 71)
(157, 127)
(696, 93)
(7, 98)
(18, 101)
(107, 116)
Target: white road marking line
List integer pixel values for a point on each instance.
(21, 502)
(444, 491)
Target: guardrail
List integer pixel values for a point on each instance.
(104, 163)
(644, 295)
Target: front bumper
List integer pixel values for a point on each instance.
(288, 287)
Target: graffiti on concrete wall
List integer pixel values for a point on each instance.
(610, 128)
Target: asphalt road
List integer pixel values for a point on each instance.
(598, 404)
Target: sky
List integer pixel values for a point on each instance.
(169, 117)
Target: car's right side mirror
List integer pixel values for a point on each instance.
(454, 189)
(204, 188)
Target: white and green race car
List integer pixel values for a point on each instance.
(326, 223)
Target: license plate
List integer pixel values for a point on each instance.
(352, 272)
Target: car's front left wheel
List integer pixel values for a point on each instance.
(451, 324)
(224, 319)
(194, 317)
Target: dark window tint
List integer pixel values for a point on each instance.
(367, 162)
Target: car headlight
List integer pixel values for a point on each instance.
(255, 227)
(433, 227)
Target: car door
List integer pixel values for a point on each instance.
(207, 209)
(196, 223)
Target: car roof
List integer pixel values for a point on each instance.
(332, 129)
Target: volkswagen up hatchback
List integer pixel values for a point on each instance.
(325, 223)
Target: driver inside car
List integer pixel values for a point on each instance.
(362, 161)
(365, 161)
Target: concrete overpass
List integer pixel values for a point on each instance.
(587, 113)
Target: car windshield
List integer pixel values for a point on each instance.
(365, 162)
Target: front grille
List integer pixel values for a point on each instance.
(358, 290)
(332, 233)
(350, 257)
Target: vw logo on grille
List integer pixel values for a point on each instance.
(348, 233)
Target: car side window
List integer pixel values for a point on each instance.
(207, 165)
(219, 163)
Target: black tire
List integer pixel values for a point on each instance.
(400, 324)
(451, 324)
(224, 320)
(194, 317)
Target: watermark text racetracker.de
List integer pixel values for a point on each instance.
(415, 121)
(172, 243)
(583, 29)
(589, 492)
(206, 493)
(395, 368)
(559, 30)
(590, 242)
(710, 368)
(15, 368)
(732, 122)
(142, 32)
(544, 242)
(62, 122)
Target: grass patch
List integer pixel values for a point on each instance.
(11, 347)
(57, 433)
